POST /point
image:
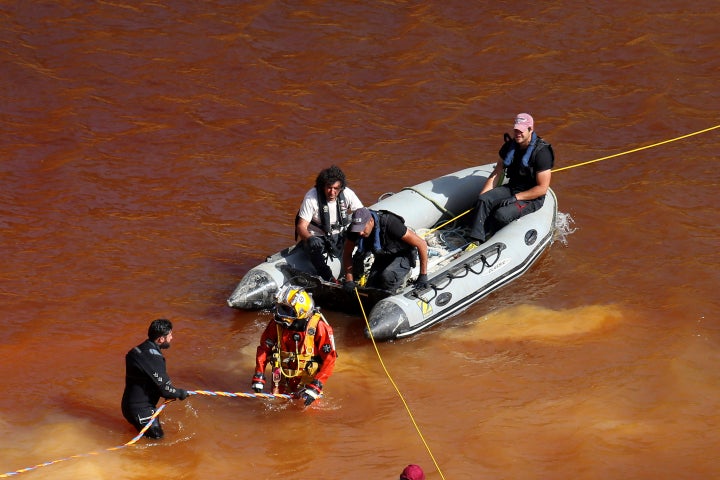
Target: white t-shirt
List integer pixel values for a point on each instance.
(310, 209)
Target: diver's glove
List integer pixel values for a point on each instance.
(422, 281)
(258, 382)
(311, 392)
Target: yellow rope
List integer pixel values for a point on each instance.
(425, 234)
(637, 149)
(407, 408)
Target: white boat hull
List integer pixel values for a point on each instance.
(460, 275)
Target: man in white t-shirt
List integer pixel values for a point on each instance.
(324, 215)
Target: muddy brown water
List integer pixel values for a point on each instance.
(152, 153)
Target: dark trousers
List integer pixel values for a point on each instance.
(315, 249)
(490, 216)
(388, 272)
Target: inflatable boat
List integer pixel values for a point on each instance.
(460, 272)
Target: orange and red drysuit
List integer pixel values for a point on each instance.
(303, 354)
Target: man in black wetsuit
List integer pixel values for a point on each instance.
(146, 379)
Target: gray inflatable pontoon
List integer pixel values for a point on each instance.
(459, 272)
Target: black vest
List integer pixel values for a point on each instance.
(519, 175)
(324, 214)
(380, 243)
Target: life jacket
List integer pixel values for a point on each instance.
(302, 360)
(343, 219)
(526, 167)
(379, 242)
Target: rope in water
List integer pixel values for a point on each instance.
(387, 373)
(53, 462)
(142, 432)
(637, 149)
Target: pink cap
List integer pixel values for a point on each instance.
(523, 121)
(412, 472)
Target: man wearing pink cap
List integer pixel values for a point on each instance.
(527, 160)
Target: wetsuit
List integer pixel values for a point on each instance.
(146, 380)
(301, 363)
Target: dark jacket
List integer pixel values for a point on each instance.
(146, 378)
(522, 176)
(386, 238)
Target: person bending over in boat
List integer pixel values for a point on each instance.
(393, 245)
(527, 161)
(299, 345)
(323, 217)
(146, 379)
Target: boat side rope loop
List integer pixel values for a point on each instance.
(444, 210)
(460, 271)
(485, 262)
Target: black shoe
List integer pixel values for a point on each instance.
(155, 432)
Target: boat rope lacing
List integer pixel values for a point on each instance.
(486, 259)
(397, 390)
(439, 207)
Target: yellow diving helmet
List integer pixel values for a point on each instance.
(292, 303)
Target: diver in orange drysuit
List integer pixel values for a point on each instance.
(304, 358)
